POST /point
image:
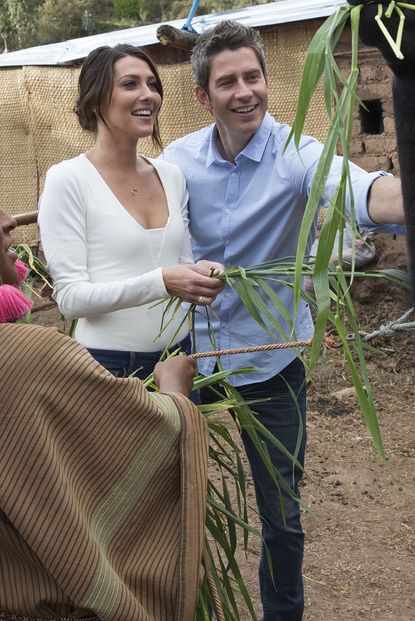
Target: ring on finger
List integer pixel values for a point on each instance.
(200, 299)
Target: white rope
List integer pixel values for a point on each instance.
(391, 328)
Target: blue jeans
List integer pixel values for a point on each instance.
(282, 592)
(124, 363)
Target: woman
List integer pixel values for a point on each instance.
(102, 484)
(14, 304)
(114, 224)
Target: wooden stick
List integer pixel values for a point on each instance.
(43, 306)
(175, 37)
(26, 218)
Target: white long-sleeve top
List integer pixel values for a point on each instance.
(107, 268)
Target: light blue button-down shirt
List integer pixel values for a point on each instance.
(247, 213)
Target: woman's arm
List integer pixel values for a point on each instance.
(63, 225)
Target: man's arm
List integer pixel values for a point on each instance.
(384, 203)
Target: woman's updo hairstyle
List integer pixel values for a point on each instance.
(96, 82)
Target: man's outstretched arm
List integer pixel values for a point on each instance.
(385, 204)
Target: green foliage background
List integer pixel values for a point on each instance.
(26, 23)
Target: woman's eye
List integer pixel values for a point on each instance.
(129, 84)
(152, 86)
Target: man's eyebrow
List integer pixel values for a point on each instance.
(230, 76)
(226, 76)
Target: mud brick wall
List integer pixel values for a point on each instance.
(373, 144)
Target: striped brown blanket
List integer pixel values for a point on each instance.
(102, 488)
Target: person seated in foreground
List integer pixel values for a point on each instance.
(102, 484)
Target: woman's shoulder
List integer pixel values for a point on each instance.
(68, 167)
(162, 166)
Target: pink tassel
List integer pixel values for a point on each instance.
(14, 304)
(22, 271)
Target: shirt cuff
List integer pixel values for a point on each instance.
(159, 286)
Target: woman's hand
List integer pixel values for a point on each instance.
(197, 284)
(175, 375)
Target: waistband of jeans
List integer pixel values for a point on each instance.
(184, 345)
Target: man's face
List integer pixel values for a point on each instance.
(8, 272)
(238, 94)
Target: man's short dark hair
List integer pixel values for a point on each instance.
(227, 35)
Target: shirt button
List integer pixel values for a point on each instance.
(228, 295)
(227, 210)
(234, 174)
(227, 241)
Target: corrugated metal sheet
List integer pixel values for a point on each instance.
(284, 11)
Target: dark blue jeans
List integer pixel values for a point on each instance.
(124, 363)
(282, 592)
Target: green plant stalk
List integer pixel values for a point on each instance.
(341, 117)
(386, 34)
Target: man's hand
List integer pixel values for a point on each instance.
(193, 283)
(175, 375)
(212, 267)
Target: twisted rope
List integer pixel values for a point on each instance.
(216, 599)
(328, 342)
(388, 329)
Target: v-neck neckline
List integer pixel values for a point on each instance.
(119, 203)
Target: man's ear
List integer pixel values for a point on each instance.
(203, 98)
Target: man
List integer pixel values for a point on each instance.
(247, 198)
(102, 484)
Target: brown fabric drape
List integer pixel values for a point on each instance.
(102, 488)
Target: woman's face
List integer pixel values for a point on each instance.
(134, 102)
(8, 272)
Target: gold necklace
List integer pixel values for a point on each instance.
(134, 191)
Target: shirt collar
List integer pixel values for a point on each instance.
(255, 148)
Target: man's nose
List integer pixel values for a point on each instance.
(244, 90)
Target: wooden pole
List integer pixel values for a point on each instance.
(175, 37)
(26, 218)
(43, 306)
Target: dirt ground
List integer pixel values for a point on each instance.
(360, 549)
(360, 540)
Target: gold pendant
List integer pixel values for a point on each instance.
(134, 192)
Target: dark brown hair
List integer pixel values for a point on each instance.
(227, 35)
(96, 82)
